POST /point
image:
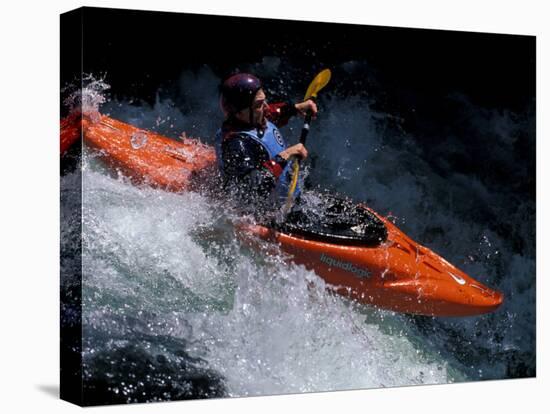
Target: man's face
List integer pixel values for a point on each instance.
(259, 105)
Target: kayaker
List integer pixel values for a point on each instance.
(252, 153)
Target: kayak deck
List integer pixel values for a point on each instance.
(334, 220)
(146, 157)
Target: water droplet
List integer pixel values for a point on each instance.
(138, 139)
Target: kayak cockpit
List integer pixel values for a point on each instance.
(337, 221)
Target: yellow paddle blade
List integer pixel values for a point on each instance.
(318, 83)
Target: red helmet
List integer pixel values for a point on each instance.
(238, 92)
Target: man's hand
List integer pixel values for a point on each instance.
(298, 150)
(306, 107)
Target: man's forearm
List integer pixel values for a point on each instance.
(280, 113)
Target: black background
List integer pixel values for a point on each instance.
(140, 50)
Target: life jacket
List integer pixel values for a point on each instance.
(273, 142)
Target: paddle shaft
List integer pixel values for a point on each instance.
(318, 83)
(305, 129)
(303, 137)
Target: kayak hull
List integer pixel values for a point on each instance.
(399, 274)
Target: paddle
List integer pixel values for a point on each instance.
(318, 83)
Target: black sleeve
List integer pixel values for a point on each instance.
(244, 172)
(241, 155)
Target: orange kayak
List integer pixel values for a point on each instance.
(70, 132)
(396, 274)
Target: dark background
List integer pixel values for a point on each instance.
(141, 50)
